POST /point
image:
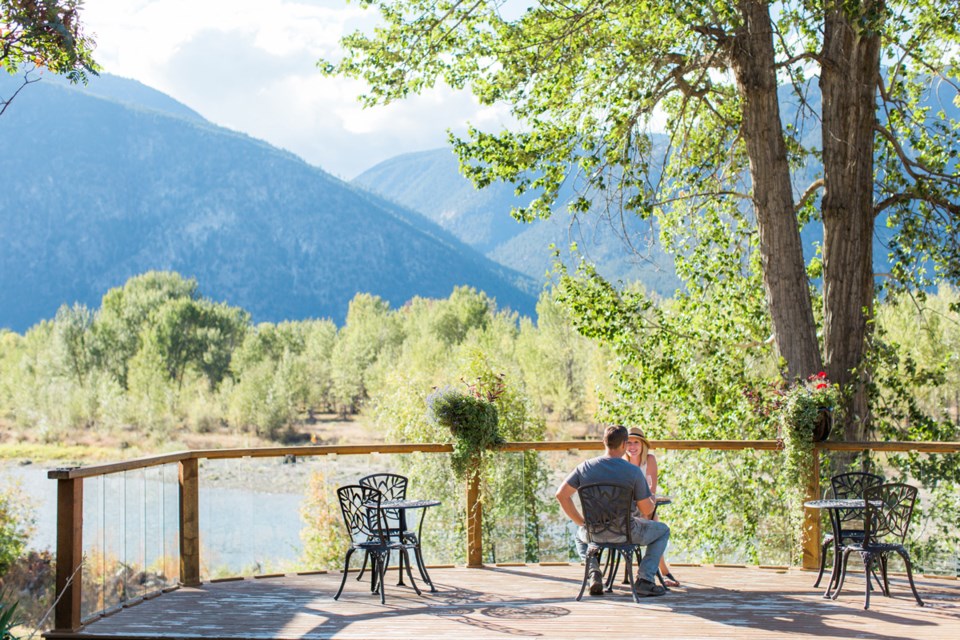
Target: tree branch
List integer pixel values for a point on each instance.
(811, 190)
(910, 164)
(900, 198)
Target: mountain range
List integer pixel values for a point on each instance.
(430, 183)
(104, 182)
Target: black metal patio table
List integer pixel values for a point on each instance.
(401, 507)
(834, 506)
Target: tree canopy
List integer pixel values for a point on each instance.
(44, 34)
(774, 115)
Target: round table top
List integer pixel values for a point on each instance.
(663, 500)
(408, 504)
(837, 503)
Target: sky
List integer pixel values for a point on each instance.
(250, 66)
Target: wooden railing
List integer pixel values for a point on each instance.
(67, 616)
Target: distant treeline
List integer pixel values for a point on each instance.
(158, 357)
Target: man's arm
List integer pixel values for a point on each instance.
(646, 507)
(565, 498)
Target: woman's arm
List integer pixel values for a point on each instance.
(652, 472)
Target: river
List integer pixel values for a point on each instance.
(244, 523)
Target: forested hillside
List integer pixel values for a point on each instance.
(429, 182)
(103, 184)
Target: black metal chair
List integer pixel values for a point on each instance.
(889, 508)
(393, 486)
(360, 507)
(612, 565)
(848, 522)
(608, 519)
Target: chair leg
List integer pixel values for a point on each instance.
(613, 563)
(346, 566)
(610, 567)
(628, 576)
(586, 575)
(400, 559)
(823, 562)
(633, 587)
(363, 569)
(906, 562)
(867, 562)
(885, 584)
(406, 556)
(843, 574)
(384, 558)
(422, 566)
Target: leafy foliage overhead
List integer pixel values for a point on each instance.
(589, 81)
(45, 34)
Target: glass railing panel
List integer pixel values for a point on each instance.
(444, 527)
(224, 520)
(555, 531)
(273, 489)
(508, 501)
(320, 541)
(170, 498)
(728, 507)
(933, 540)
(113, 540)
(154, 578)
(747, 521)
(134, 506)
(92, 593)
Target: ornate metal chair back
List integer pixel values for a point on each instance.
(889, 509)
(359, 506)
(607, 512)
(852, 485)
(393, 486)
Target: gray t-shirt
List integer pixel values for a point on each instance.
(611, 471)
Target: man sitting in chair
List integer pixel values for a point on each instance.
(612, 468)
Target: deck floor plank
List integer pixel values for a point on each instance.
(538, 602)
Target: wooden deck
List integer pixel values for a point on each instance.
(539, 601)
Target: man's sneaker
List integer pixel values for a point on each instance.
(596, 583)
(647, 589)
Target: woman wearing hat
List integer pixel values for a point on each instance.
(638, 453)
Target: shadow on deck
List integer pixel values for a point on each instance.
(539, 601)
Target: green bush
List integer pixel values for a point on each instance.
(16, 525)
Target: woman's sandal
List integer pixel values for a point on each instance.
(670, 581)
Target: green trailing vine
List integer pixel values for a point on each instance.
(472, 420)
(804, 408)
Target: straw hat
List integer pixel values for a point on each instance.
(637, 432)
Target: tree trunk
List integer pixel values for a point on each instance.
(848, 84)
(784, 273)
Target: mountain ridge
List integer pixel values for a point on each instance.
(100, 191)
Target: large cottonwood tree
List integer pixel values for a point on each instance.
(585, 80)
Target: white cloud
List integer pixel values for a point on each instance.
(250, 65)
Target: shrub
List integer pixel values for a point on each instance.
(16, 524)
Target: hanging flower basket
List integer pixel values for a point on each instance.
(472, 420)
(823, 424)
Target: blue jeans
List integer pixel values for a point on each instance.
(651, 534)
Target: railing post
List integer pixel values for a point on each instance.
(66, 615)
(189, 522)
(811, 517)
(474, 521)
